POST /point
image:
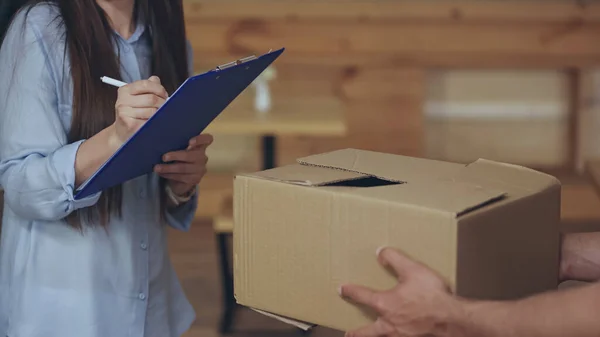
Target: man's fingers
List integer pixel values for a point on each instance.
(364, 296)
(401, 264)
(377, 329)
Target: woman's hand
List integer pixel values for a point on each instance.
(184, 169)
(136, 103)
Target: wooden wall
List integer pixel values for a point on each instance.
(371, 58)
(515, 116)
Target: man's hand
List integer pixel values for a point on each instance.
(580, 258)
(185, 169)
(420, 305)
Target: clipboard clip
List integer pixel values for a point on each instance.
(235, 63)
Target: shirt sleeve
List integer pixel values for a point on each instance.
(182, 217)
(37, 165)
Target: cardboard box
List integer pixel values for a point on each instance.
(490, 229)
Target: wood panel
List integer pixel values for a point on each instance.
(536, 143)
(379, 120)
(438, 43)
(336, 83)
(500, 60)
(588, 124)
(512, 11)
(580, 202)
(370, 98)
(368, 57)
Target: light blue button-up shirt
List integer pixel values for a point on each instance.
(55, 281)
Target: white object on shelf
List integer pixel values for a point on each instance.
(262, 99)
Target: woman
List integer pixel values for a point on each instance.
(96, 267)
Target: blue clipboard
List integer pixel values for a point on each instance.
(186, 113)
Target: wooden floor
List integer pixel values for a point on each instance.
(195, 259)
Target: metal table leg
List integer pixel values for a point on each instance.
(227, 279)
(229, 304)
(268, 145)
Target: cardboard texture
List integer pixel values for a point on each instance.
(490, 229)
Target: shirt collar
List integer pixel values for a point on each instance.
(140, 28)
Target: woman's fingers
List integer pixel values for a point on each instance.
(150, 86)
(137, 113)
(142, 101)
(190, 179)
(177, 168)
(202, 140)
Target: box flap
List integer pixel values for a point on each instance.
(514, 179)
(429, 184)
(382, 165)
(298, 324)
(307, 175)
(455, 198)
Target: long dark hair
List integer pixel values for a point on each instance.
(90, 47)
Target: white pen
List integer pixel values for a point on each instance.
(116, 83)
(112, 81)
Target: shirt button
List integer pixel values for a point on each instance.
(142, 193)
(142, 296)
(143, 245)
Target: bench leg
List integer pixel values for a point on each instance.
(269, 145)
(227, 279)
(229, 305)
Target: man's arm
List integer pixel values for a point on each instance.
(580, 257)
(422, 305)
(572, 313)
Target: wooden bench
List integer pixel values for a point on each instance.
(223, 223)
(592, 169)
(215, 189)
